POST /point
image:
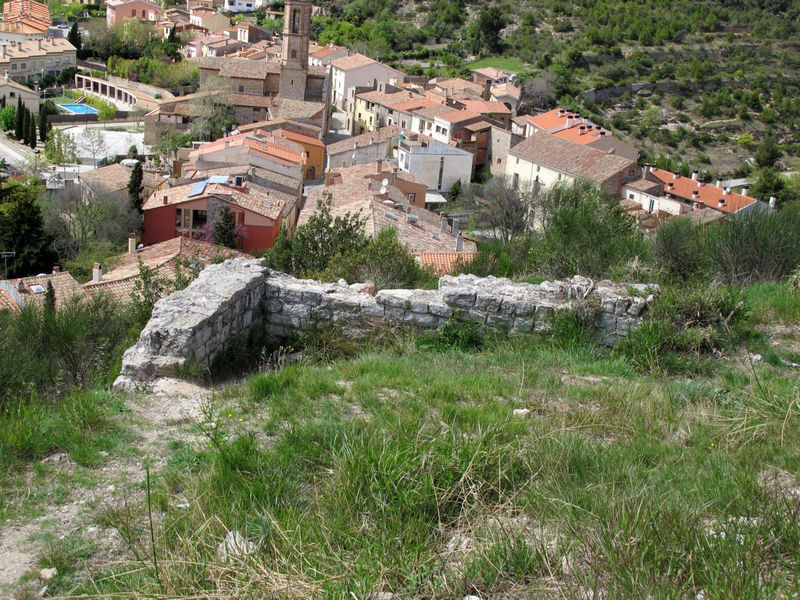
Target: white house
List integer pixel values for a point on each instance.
(438, 165)
(347, 72)
(239, 6)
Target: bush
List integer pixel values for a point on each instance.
(761, 246)
(677, 248)
(582, 233)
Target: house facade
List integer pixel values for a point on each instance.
(437, 165)
(544, 159)
(356, 70)
(187, 210)
(31, 59)
(141, 10)
(13, 91)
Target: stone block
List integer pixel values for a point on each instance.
(371, 308)
(487, 303)
(636, 307)
(394, 298)
(321, 313)
(440, 310)
(418, 306)
(498, 320)
(459, 297)
(521, 325)
(425, 320)
(621, 307)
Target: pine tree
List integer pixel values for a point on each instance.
(135, 188)
(50, 299)
(225, 228)
(20, 120)
(32, 133)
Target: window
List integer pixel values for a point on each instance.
(199, 219)
(515, 182)
(559, 176)
(441, 172)
(296, 21)
(14, 67)
(630, 196)
(652, 204)
(133, 12)
(241, 88)
(499, 160)
(294, 53)
(517, 159)
(411, 197)
(13, 94)
(22, 66)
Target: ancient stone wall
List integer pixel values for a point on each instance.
(229, 299)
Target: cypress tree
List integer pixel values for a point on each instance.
(225, 228)
(32, 133)
(50, 299)
(20, 120)
(74, 38)
(3, 102)
(135, 188)
(26, 126)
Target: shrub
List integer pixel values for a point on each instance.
(582, 234)
(761, 246)
(571, 328)
(677, 248)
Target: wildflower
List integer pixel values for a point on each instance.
(229, 415)
(240, 420)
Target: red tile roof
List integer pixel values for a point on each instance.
(64, 285)
(442, 263)
(709, 195)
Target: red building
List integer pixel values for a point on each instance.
(188, 210)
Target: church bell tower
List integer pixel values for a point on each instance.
(294, 58)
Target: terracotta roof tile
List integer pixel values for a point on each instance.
(442, 263)
(709, 195)
(382, 134)
(64, 285)
(354, 61)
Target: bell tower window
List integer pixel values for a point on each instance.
(296, 21)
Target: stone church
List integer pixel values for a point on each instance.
(290, 77)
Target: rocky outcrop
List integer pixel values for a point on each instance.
(232, 298)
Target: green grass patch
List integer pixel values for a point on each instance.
(506, 63)
(774, 302)
(412, 473)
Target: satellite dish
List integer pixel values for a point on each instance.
(385, 182)
(403, 132)
(383, 189)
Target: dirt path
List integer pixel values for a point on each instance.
(167, 412)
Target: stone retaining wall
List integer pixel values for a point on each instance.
(227, 299)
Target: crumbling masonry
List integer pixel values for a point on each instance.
(230, 299)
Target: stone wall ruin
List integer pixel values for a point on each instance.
(230, 299)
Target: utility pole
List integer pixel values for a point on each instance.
(6, 254)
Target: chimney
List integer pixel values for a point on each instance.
(379, 165)
(459, 243)
(131, 243)
(745, 190)
(695, 194)
(674, 174)
(456, 227)
(56, 269)
(394, 175)
(20, 285)
(38, 43)
(561, 112)
(97, 273)
(444, 225)
(581, 129)
(719, 182)
(670, 185)
(721, 202)
(700, 182)
(773, 200)
(602, 133)
(650, 167)
(694, 175)
(4, 55)
(726, 191)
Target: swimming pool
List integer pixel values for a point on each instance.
(79, 109)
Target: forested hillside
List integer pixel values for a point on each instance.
(726, 71)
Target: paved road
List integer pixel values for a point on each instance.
(15, 154)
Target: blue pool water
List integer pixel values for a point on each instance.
(79, 109)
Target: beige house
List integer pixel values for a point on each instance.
(31, 60)
(210, 19)
(13, 91)
(544, 159)
(141, 10)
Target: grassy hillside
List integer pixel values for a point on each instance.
(734, 64)
(532, 469)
